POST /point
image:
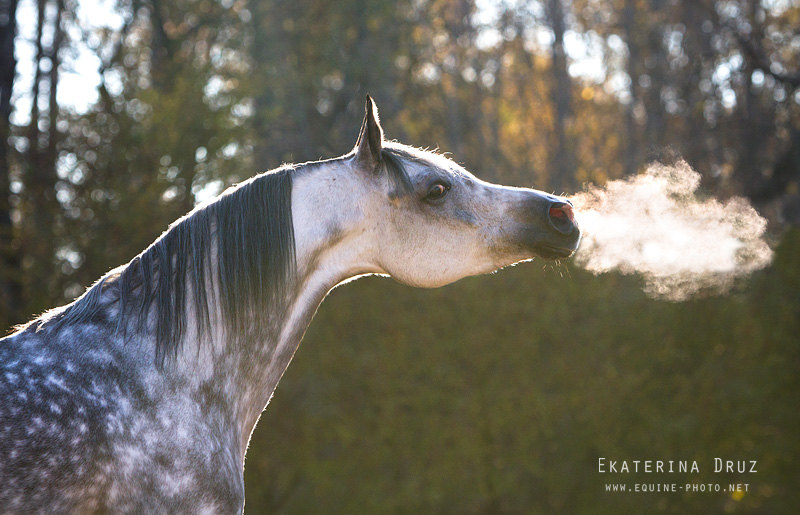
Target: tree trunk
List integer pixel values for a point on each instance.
(748, 163)
(561, 160)
(658, 69)
(41, 208)
(10, 274)
(631, 161)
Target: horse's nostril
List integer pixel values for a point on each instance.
(562, 217)
(562, 211)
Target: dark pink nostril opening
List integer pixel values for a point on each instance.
(562, 212)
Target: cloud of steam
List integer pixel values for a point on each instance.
(655, 225)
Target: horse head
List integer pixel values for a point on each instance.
(426, 221)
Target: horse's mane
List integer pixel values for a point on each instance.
(236, 252)
(238, 249)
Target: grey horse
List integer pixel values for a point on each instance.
(142, 394)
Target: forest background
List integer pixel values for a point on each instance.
(495, 394)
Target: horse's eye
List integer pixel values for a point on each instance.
(437, 191)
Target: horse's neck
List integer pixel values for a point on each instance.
(254, 368)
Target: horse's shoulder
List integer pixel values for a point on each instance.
(84, 414)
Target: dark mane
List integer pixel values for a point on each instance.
(238, 249)
(237, 252)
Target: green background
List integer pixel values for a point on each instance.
(499, 394)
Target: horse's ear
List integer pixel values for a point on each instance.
(370, 139)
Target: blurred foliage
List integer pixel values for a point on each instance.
(498, 393)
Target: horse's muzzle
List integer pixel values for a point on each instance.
(562, 239)
(551, 228)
